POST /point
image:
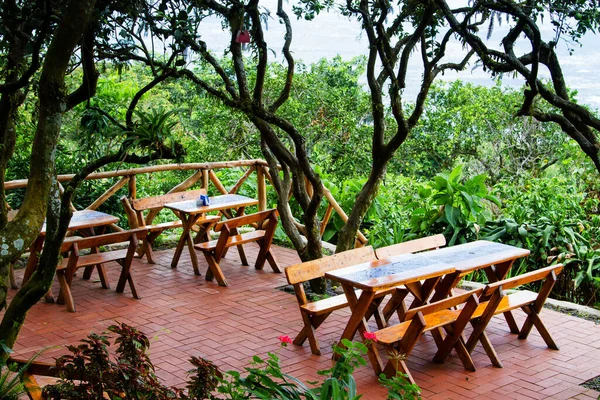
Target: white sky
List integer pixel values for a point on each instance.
(330, 34)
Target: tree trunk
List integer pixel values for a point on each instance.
(364, 199)
(42, 192)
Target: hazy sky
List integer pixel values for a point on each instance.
(331, 34)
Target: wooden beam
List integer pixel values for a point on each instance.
(106, 195)
(241, 181)
(326, 218)
(215, 180)
(205, 179)
(21, 183)
(341, 213)
(132, 187)
(261, 188)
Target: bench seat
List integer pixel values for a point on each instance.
(95, 258)
(232, 240)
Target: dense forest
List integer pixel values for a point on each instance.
(501, 178)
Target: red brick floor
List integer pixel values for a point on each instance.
(186, 316)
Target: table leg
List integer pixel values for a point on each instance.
(357, 322)
(186, 238)
(240, 248)
(87, 272)
(497, 273)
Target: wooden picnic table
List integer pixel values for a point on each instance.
(436, 271)
(189, 212)
(84, 220)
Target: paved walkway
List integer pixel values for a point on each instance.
(187, 316)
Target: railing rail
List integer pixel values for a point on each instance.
(203, 173)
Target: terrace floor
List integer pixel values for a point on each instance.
(187, 316)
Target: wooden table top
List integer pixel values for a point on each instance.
(408, 268)
(81, 220)
(472, 256)
(217, 203)
(386, 273)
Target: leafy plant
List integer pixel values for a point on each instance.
(11, 387)
(88, 373)
(265, 380)
(452, 206)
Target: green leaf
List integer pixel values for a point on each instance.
(452, 215)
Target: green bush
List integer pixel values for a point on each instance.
(88, 373)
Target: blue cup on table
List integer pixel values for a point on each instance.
(203, 200)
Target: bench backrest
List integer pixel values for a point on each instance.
(299, 273)
(134, 208)
(247, 219)
(444, 304)
(412, 246)
(228, 228)
(103, 240)
(529, 277)
(317, 268)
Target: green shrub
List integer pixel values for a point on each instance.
(88, 373)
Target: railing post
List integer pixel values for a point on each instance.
(262, 188)
(131, 187)
(205, 179)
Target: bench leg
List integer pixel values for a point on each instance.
(273, 262)
(214, 270)
(311, 323)
(65, 291)
(103, 276)
(394, 366)
(148, 252)
(395, 303)
(453, 340)
(534, 319)
(490, 351)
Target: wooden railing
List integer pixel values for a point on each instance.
(204, 174)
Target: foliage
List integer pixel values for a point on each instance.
(501, 145)
(453, 206)
(551, 218)
(11, 387)
(265, 380)
(89, 372)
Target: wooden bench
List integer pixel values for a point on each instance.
(430, 317)
(214, 250)
(314, 313)
(66, 270)
(32, 369)
(530, 302)
(478, 307)
(135, 208)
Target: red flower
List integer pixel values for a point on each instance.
(370, 336)
(285, 339)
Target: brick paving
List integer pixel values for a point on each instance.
(186, 316)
